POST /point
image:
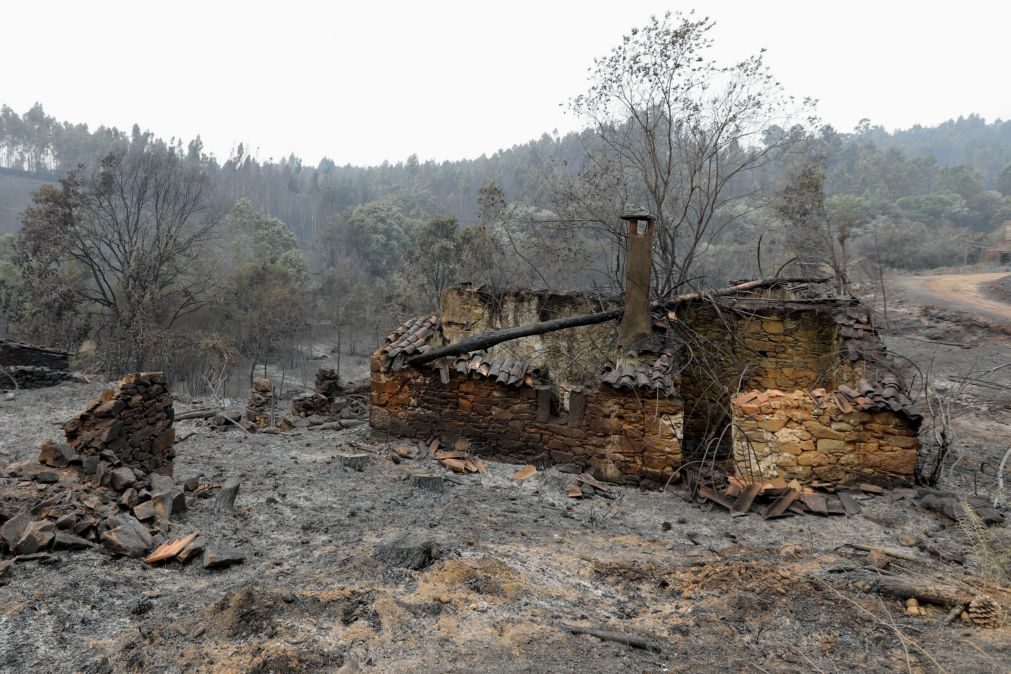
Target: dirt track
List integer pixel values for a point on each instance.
(963, 292)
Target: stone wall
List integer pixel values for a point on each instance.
(134, 422)
(763, 348)
(18, 353)
(786, 434)
(32, 376)
(570, 357)
(618, 435)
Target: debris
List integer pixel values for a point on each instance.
(34, 537)
(574, 492)
(607, 635)
(925, 591)
(169, 550)
(216, 557)
(356, 461)
(410, 550)
(782, 503)
(849, 505)
(66, 541)
(58, 455)
(984, 611)
(525, 472)
(455, 465)
(743, 503)
(403, 451)
(226, 497)
(428, 482)
(126, 536)
(897, 554)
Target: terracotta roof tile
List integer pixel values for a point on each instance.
(409, 339)
(654, 376)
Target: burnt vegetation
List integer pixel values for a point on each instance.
(656, 395)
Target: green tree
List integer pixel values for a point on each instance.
(379, 233)
(257, 235)
(262, 306)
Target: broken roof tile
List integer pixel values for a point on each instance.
(409, 339)
(654, 376)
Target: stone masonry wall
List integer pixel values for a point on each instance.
(17, 353)
(621, 437)
(774, 349)
(570, 357)
(134, 421)
(785, 433)
(32, 376)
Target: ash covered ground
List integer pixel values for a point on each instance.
(509, 564)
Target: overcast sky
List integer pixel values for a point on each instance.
(367, 81)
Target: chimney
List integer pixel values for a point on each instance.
(636, 326)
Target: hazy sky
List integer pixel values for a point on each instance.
(366, 81)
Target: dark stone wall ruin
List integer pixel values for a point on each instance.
(827, 408)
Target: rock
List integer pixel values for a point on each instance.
(162, 483)
(144, 511)
(90, 464)
(225, 501)
(191, 483)
(36, 536)
(192, 549)
(65, 541)
(126, 536)
(878, 559)
(47, 477)
(110, 456)
(412, 550)
(122, 478)
(908, 540)
(216, 557)
(15, 527)
(101, 474)
(67, 521)
(58, 455)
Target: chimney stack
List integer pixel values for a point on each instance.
(636, 326)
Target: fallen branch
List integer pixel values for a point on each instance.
(489, 339)
(923, 592)
(607, 635)
(197, 414)
(897, 554)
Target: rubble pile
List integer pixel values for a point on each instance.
(260, 410)
(33, 376)
(32, 366)
(329, 399)
(107, 486)
(133, 422)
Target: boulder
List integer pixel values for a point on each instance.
(122, 478)
(36, 536)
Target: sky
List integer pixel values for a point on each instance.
(377, 80)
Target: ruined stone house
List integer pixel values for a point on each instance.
(786, 379)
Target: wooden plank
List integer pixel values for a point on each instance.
(782, 503)
(743, 503)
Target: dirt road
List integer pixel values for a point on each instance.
(962, 292)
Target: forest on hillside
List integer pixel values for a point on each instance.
(249, 252)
